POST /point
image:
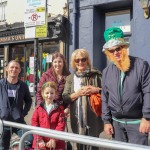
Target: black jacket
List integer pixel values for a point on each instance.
(135, 100)
(22, 103)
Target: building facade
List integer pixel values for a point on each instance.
(14, 44)
(90, 18)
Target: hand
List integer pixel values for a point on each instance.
(144, 126)
(51, 143)
(91, 89)
(67, 112)
(108, 128)
(81, 91)
(84, 91)
(41, 144)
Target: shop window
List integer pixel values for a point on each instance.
(44, 60)
(1, 63)
(25, 55)
(48, 49)
(30, 67)
(17, 53)
(119, 19)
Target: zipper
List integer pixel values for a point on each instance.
(120, 97)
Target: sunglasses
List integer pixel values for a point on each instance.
(115, 50)
(82, 60)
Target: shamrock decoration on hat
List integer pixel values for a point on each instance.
(114, 36)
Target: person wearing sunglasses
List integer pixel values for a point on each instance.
(125, 91)
(78, 88)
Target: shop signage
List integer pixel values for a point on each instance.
(35, 19)
(41, 31)
(12, 38)
(35, 13)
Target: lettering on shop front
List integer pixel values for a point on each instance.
(12, 38)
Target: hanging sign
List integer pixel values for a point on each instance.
(35, 13)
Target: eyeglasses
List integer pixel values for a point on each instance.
(82, 60)
(115, 50)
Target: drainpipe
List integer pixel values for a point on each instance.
(74, 24)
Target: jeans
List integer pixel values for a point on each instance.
(7, 133)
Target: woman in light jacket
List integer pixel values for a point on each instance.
(79, 86)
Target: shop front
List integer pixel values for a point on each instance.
(15, 47)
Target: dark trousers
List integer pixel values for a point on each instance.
(7, 133)
(129, 133)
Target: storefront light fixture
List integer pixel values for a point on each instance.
(145, 6)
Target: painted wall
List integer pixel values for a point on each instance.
(140, 42)
(15, 9)
(91, 25)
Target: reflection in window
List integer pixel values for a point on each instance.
(119, 19)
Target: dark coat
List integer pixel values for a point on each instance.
(22, 103)
(55, 120)
(95, 123)
(135, 100)
(49, 76)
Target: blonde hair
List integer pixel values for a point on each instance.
(82, 52)
(124, 64)
(48, 84)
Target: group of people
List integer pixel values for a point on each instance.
(116, 101)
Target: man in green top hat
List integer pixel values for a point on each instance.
(125, 91)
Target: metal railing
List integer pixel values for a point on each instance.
(86, 140)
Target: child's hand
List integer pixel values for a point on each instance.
(67, 112)
(41, 144)
(51, 144)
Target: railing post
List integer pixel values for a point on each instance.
(22, 139)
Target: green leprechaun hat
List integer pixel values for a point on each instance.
(114, 36)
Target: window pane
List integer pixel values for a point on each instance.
(119, 19)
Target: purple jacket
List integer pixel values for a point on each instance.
(135, 100)
(49, 76)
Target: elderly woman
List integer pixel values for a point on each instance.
(78, 88)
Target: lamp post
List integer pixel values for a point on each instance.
(145, 6)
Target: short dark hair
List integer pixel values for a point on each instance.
(13, 61)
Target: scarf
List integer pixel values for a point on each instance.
(80, 80)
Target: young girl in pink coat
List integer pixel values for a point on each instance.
(48, 115)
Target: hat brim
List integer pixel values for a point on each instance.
(15, 143)
(114, 42)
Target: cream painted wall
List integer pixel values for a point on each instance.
(15, 9)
